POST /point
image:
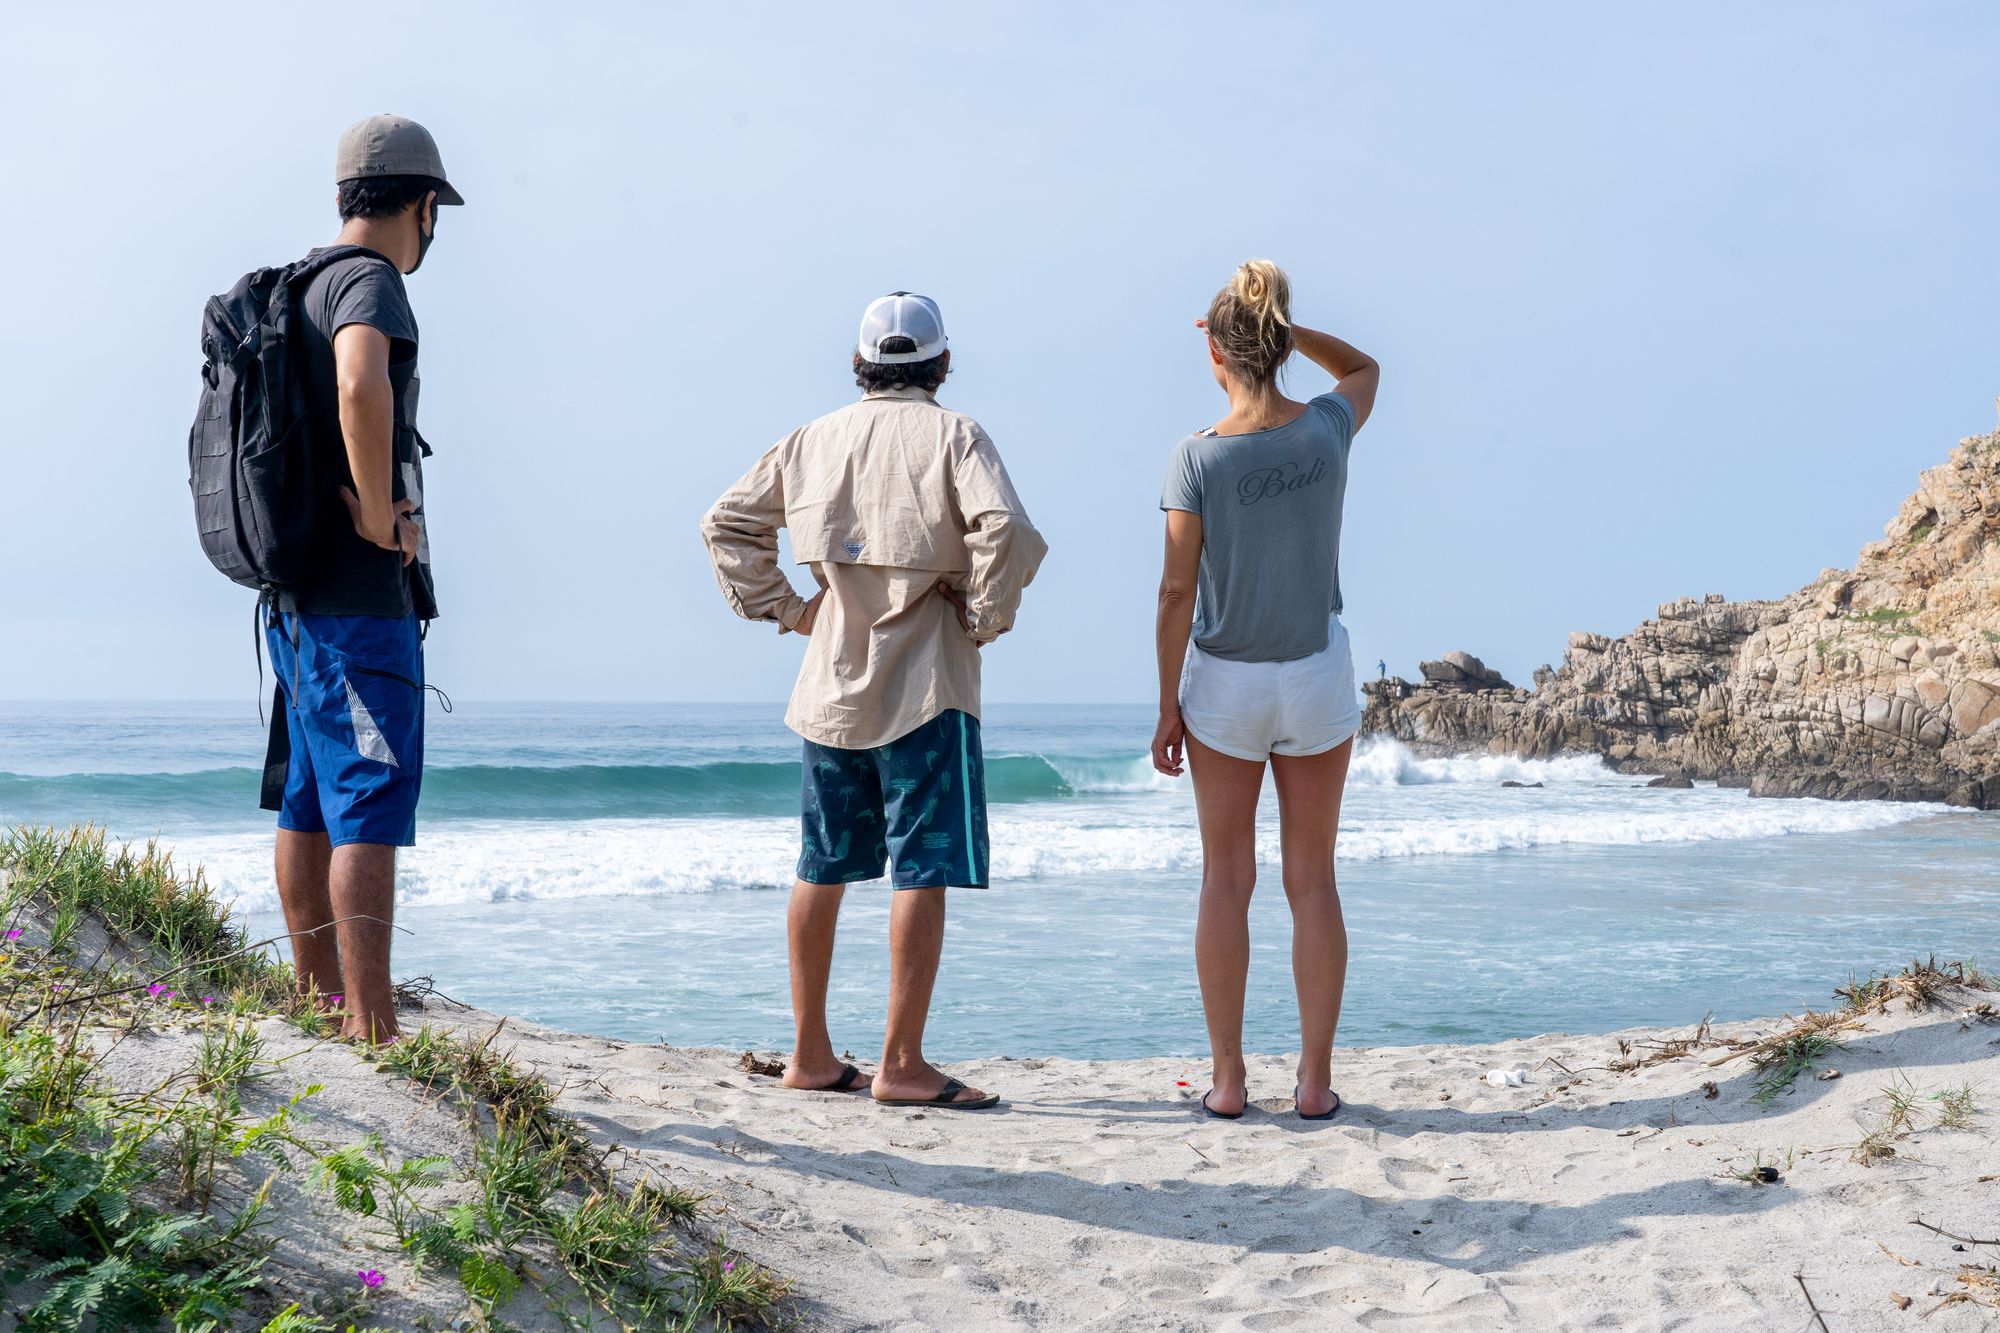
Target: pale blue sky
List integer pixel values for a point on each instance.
(1670, 299)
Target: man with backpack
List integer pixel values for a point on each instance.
(308, 474)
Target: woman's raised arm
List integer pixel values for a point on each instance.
(1357, 372)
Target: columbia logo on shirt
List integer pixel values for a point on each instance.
(853, 550)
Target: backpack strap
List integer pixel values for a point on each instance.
(310, 267)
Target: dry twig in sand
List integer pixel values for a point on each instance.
(1800, 1278)
(1673, 1048)
(1982, 1287)
(1948, 1235)
(1921, 985)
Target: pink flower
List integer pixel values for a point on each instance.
(729, 1267)
(370, 1278)
(335, 999)
(13, 934)
(208, 999)
(155, 988)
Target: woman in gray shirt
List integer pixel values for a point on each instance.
(1255, 665)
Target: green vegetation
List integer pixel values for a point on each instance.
(1781, 1064)
(110, 1214)
(141, 900)
(619, 1246)
(1956, 1109)
(1819, 647)
(1919, 535)
(1883, 615)
(1991, 636)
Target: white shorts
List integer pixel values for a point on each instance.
(1253, 710)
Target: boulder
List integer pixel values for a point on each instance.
(1464, 671)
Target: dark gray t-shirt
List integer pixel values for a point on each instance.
(351, 576)
(1270, 506)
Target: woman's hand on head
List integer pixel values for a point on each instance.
(1170, 744)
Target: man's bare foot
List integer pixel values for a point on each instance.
(921, 1084)
(357, 1030)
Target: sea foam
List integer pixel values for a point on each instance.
(496, 861)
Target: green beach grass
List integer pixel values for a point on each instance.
(110, 1218)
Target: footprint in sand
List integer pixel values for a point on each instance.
(1401, 1171)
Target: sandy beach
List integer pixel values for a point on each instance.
(1653, 1179)
(1099, 1198)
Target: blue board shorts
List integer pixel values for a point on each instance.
(346, 755)
(917, 805)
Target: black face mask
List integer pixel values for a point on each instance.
(424, 239)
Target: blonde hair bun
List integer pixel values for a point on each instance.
(1251, 321)
(1263, 288)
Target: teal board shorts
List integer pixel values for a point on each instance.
(916, 805)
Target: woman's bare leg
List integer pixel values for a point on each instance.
(1309, 792)
(1225, 792)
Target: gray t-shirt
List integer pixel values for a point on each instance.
(1270, 531)
(351, 576)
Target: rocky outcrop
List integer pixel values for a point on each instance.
(1878, 682)
(1464, 671)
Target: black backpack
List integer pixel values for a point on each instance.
(252, 460)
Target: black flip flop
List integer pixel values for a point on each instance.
(849, 1076)
(1327, 1114)
(952, 1087)
(1214, 1114)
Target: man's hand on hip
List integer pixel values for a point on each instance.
(811, 614)
(404, 536)
(957, 600)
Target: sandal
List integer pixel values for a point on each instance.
(945, 1095)
(1214, 1114)
(849, 1077)
(1327, 1114)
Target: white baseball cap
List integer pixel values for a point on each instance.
(901, 315)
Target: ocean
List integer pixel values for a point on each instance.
(622, 869)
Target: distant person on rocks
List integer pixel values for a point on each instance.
(920, 549)
(1255, 666)
(1382, 669)
(347, 747)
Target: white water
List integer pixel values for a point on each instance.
(1124, 820)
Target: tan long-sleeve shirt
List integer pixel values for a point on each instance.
(884, 499)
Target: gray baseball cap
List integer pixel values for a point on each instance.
(391, 146)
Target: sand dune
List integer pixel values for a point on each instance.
(1099, 1198)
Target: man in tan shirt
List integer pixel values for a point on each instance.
(920, 550)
